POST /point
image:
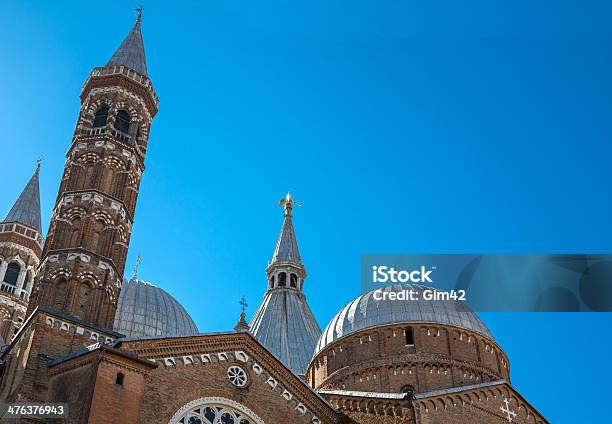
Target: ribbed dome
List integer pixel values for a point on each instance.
(366, 312)
(147, 310)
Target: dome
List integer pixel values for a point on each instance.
(147, 310)
(365, 312)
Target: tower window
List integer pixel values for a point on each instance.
(409, 337)
(100, 117)
(122, 121)
(119, 379)
(12, 273)
(282, 279)
(272, 281)
(293, 280)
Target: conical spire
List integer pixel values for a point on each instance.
(26, 209)
(131, 53)
(286, 247)
(284, 323)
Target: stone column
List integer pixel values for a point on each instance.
(3, 270)
(20, 280)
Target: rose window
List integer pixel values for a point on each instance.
(215, 415)
(237, 376)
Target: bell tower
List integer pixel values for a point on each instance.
(84, 256)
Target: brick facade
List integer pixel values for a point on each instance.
(379, 359)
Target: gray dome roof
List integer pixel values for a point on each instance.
(147, 310)
(366, 312)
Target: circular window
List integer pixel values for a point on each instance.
(237, 376)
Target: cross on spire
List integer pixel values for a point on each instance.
(139, 9)
(510, 414)
(243, 304)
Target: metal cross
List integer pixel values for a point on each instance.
(243, 304)
(510, 413)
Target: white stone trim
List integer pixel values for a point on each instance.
(65, 326)
(215, 401)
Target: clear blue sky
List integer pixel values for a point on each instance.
(402, 127)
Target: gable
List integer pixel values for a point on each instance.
(231, 367)
(482, 403)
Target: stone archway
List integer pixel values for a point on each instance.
(215, 410)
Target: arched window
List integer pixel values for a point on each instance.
(272, 281)
(83, 300)
(122, 121)
(100, 117)
(88, 176)
(75, 233)
(409, 337)
(95, 237)
(60, 294)
(293, 281)
(12, 273)
(214, 410)
(119, 379)
(282, 279)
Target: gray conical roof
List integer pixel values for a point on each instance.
(26, 209)
(131, 53)
(286, 247)
(285, 325)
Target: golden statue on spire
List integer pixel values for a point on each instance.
(135, 271)
(288, 203)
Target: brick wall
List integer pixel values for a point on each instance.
(380, 360)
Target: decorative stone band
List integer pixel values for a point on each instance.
(204, 359)
(117, 83)
(408, 364)
(373, 403)
(93, 197)
(72, 256)
(84, 331)
(23, 230)
(101, 142)
(11, 302)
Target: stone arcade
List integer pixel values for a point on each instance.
(120, 351)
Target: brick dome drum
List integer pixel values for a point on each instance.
(366, 312)
(146, 310)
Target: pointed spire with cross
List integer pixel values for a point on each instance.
(139, 10)
(131, 52)
(242, 326)
(26, 209)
